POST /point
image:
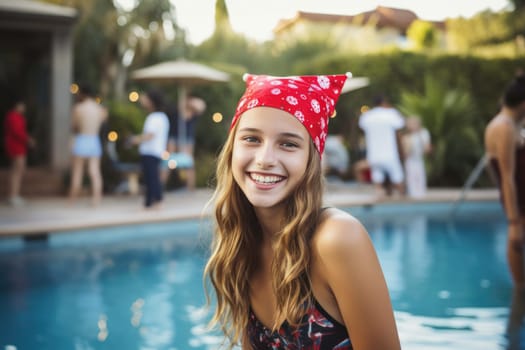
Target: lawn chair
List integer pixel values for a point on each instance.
(131, 171)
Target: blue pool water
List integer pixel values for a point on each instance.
(140, 287)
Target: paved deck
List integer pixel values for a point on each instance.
(53, 215)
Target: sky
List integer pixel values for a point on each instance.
(257, 19)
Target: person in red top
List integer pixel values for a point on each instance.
(16, 141)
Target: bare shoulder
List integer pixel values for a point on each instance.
(346, 262)
(339, 232)
(498, 127)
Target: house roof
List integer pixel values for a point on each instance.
(383, 17)
(390, 17)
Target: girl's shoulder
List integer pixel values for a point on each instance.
(332, 215)
(337, 230)
(501, 124)
(335, 213)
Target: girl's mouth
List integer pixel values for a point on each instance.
(266, 179)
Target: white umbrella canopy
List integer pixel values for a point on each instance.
(182, 72)
(185, 74)
(352, 84)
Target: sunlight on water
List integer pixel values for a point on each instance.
(140, 287)
(475, 329)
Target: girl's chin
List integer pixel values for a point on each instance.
(265, 203)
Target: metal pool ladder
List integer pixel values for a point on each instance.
(471, 180)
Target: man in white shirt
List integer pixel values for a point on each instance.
(381, 126)
(152, 144)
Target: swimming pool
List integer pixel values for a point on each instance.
(140, 287)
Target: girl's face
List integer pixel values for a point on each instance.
(270, 153)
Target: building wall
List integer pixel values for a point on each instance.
(362, 37)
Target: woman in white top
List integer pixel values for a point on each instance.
(416, 143)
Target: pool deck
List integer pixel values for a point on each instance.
(55, 214)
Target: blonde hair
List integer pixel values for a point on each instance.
(238, 236)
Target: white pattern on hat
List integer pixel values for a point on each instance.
(253, 103)
(315, 105)
(291, 100)
(299, 115)
(323, 81)
(241, 103)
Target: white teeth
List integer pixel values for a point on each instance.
(271, 179)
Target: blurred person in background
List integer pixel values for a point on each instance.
(153, 142)
(87, 119)
(336, 159)
(382, 125)
(16, 142)
(416, 144)
(505, 149)
(193, 108)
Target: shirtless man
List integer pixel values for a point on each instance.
(88, 117)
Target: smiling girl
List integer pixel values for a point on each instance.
(288, 273)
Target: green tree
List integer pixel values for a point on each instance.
(222, 18)
(227, 46)
(423, 34)
(111, 38)
(449, 115)
(488, 30)
(518, 4)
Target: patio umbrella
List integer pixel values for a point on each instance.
(185, 74)
(354, 83)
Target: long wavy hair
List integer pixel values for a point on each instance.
(237, 239)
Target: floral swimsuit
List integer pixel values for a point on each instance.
(317, 331)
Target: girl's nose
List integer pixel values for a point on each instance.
(265, 157)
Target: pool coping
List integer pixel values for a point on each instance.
(50, 215)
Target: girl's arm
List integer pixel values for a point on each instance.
(357, 282)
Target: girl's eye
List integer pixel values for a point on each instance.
(250, 139)
(289, 145)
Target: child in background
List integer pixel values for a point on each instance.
(16, 142)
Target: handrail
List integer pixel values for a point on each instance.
(471, 180)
